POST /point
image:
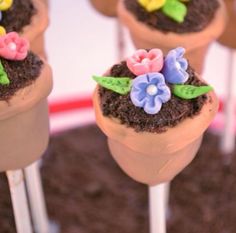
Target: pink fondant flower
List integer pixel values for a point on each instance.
(143, 62)
(13, 47)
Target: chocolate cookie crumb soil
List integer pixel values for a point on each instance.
(172, 112)
(20, 74)
(200, 13)
(18, 16)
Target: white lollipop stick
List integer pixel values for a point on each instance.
(19, 201)
(167, 197)
(36, 198)
(120, 42)
(157, 208)
(228, 137)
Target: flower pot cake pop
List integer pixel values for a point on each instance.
(154, 111)
(166, 24)
(107, 8)
(228, 38)
(25, 83)
(27, 17)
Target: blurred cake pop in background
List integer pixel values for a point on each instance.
(107, 8)
(30, 19)
(192, 24)
(228, 38)
(26, 81)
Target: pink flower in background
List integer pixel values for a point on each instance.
(13, 47)
(143, 62)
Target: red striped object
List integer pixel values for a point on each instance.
(71, 104)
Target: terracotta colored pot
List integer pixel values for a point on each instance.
(153, 158)
(196, 44)
(35, 31)
(46, 2)
(105, 7)
(229, 36)
(24, 123)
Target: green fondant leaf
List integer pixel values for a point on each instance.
(3, 76)
(175, 10)
(189, 91)
(118, 85)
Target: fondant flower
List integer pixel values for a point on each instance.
(2, 31)
(143, 62)
(13, 47)
(152, 5)
(175, 66)
(5, 4)
(149, 91)
(175, 10)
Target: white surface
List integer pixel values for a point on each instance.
(228, 136)
(36, 199)
(71, 119)
(81, 42)
(19, 201)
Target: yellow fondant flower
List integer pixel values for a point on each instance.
(2, 31)
(5, 4)
(152, 5)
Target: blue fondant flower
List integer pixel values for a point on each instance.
(149, 91)
(175, 66)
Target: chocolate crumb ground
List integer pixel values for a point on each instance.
(20, 73)
(18, 16)
(200, 13)
(172, 112)
(89, 186)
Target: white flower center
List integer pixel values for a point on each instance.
(152, 89)
(12, 46)
(178, 66)
(145, 61)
